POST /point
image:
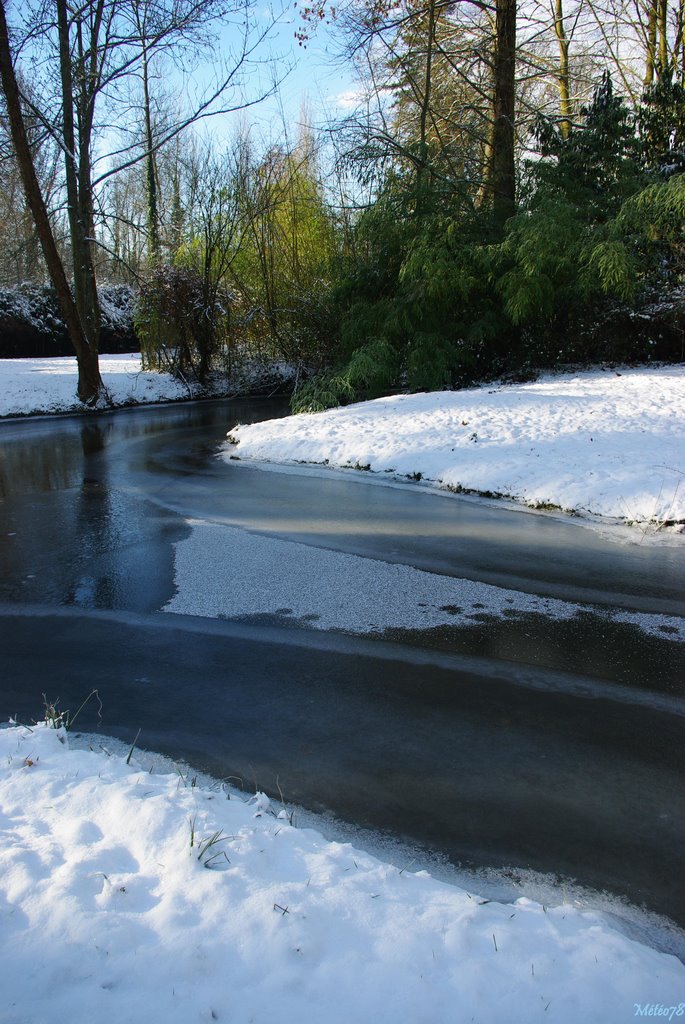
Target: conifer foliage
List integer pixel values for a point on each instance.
(589, 268)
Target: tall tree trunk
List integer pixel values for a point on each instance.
(652, 24)
(501, 173)
(152, 206)
(77, 172)
(84, 273)
(425, 108)
(89, 381)
(663, 35)
(564, 76)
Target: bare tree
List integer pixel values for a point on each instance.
(90, 382)
(89, 53)
(20, 259)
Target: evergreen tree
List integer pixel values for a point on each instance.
(661, 125)
(598, 164)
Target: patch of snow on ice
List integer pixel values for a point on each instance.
(224, 571)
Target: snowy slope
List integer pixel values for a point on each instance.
(607, 443)
(108, 913)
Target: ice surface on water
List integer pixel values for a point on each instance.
(224, 571)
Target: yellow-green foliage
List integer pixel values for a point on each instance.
(611, 266)
(658, 210)
(283, 265)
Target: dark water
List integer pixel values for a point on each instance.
(76, 524)
(105, 480)
(546, 745)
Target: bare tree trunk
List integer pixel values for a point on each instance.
(89, 381)
(152, 206)
(651, 43)
(501, 173)
(663, 35)
(564, 76)
(77, 172)
(150, 171)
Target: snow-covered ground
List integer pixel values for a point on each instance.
(134, 897)
(32, 386)
(604, 443)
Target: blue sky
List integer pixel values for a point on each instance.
(316, 81)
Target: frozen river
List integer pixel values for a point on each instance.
(542, 732)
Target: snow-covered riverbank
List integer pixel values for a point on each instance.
(126, 896)
(34, 386)
(604, 443)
